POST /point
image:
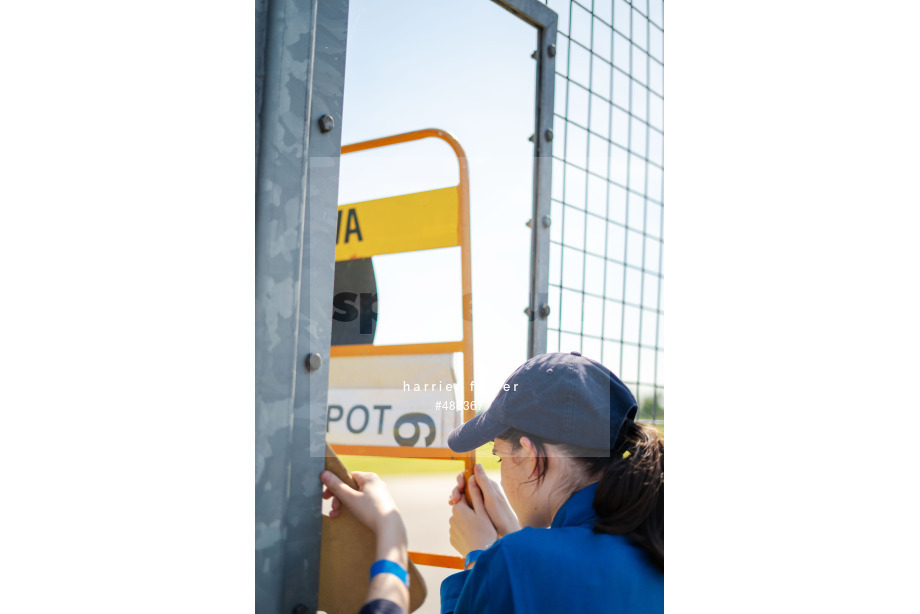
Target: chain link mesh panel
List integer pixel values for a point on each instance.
(606, 274)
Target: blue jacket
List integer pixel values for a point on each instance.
(566, 568)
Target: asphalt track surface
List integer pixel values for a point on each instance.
(422, 500)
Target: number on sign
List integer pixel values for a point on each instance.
(415, 420)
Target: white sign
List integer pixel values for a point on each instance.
(393, 401)
(386, 417)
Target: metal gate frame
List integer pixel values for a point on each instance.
(300, 78)
(544, 19)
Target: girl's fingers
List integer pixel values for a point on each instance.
(457, 493)
(475, 494)
(484, 481)
(488, 487)
(362, 477)
(460, 503)
(339, 488)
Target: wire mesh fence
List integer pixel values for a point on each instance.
(606, 273)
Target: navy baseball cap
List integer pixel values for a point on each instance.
(562, 398)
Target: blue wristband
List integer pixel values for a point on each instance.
(471, 557)
(385, 566)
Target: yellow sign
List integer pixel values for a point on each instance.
(411, 222)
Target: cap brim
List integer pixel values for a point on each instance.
(474, 433)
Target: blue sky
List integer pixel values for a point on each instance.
(475, 79)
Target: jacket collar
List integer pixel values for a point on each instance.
(578, 510)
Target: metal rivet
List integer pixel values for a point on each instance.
(546, 221)
(300, 609)
(313, 362)
(326, 123)
(551, 51)
(544, 310)
(549, 135)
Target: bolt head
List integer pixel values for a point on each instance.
(544, 310)
(326, 123)
(547, 222)
(549, 135)
(551, 51)
(313, 362)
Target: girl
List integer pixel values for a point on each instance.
(582, 529)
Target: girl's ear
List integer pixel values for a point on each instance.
(528, 453)
(528, 448)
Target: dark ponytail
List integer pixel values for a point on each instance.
(630, 493)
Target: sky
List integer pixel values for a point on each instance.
(476, 80)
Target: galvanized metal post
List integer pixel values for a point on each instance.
(301, 70)
(542, 188)
(544, 19)
(261, 23)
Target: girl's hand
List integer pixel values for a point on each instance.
(500, 513)
(471, 528)
(371, 504)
